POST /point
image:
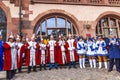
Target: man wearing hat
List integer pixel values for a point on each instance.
(1, 52)
(72, 56)
(114, 53)
(52, 54)
(10, 57)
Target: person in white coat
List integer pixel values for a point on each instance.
(81, 52)
(101, 52)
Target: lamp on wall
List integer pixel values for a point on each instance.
(87, 25)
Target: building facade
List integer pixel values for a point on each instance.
(46, 17)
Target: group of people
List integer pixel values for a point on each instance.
(57, 53)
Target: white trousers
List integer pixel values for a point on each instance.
(72, 55)
(32, 58)
(52, 56)
(63, 57)
(14, 59)
(42, 56)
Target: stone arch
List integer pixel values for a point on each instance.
(8, 15)
(105, 14)
(6, 10)
(55, 11)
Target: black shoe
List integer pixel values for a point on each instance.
(40, 67)
(50, 68)
(35, 70)
(109, 70)
(60, 67)
(28, 71)
(45, 67)
(69, 67)
(75, 67)
(56, 67)
(118, 71)
(20, 71)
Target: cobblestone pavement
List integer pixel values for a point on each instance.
(66, 74)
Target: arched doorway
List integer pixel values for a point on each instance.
(55, 25)
(3, 23)
(107, 24)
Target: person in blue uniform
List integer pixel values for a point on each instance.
(114, 53)
(81, 52)
(1, 52)
(101, 52)
(91, 52)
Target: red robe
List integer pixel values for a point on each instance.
(60, 53)
(68, 53)
(7, 57)
(55, 54)
(20, 61)
(38, 55)
(37, 61)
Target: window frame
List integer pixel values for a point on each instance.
(56, 21)
(109, 26)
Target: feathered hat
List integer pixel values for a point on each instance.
(33, 36)
(51, 36)
(18, 37)
(11, 35)
(78, 38)
(0, 32)
(60, 36)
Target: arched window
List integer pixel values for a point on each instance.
(106, 25)
(55, 25)
(3, 23)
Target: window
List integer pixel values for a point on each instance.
(3, 23)
(55, 25)
(106, 25)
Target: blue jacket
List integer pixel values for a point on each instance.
(114, 51)
(1, 55)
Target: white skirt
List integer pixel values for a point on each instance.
(91, 53)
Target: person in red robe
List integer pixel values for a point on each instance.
(10, 57)
(52, 54)
(43, 54)
(20, 53)
(62, 60)
(32, 54)
(72, 56)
